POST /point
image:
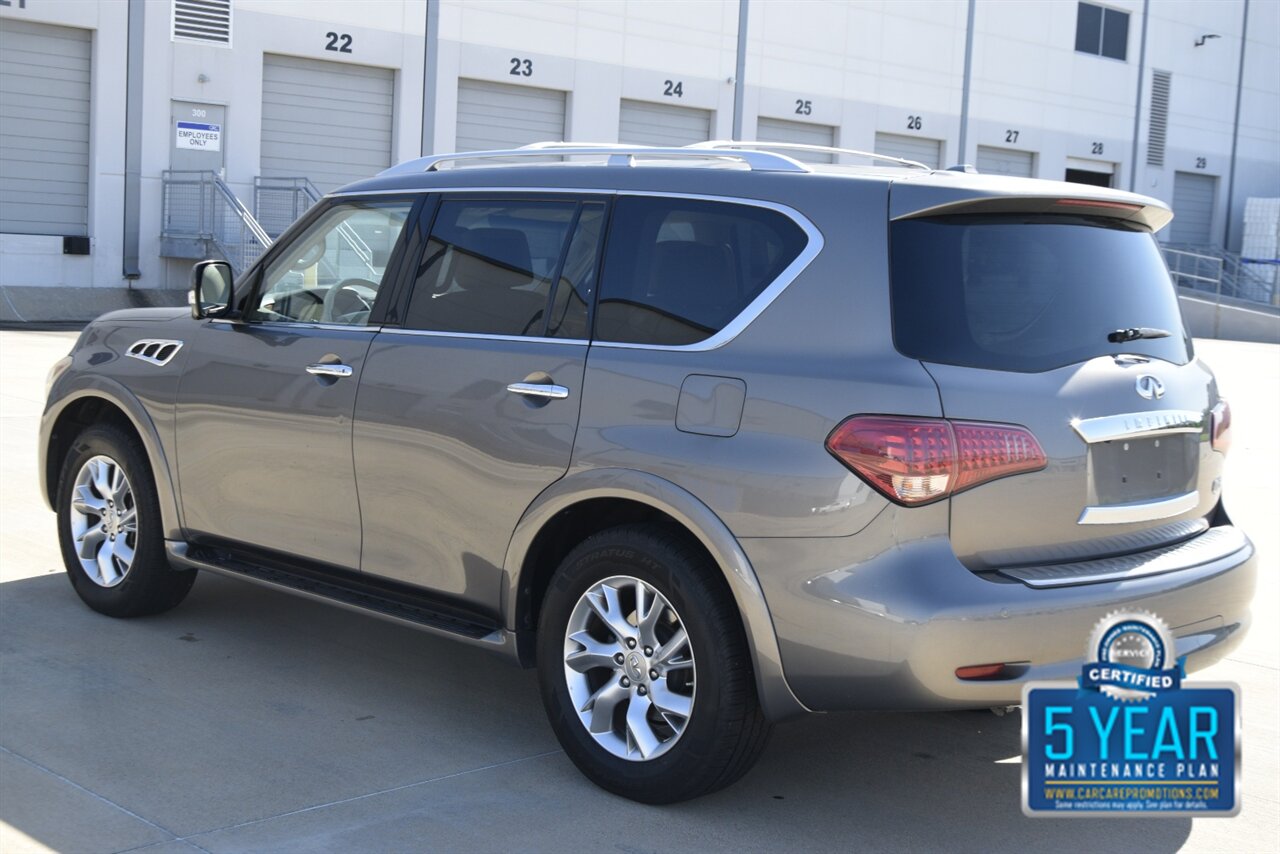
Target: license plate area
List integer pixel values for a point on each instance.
(1127, 470)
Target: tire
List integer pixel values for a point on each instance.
(709, 679)
(106, 466)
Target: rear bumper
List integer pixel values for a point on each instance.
(889, 630)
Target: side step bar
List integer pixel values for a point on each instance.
(353, 594)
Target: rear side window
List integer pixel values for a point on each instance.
(492, 267)
(677, 271)
(1029, 294)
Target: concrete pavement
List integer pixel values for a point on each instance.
(248, 720)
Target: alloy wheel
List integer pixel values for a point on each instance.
(629, 668)
(104, 521)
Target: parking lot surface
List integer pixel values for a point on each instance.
(248, 720)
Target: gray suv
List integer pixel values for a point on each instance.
(709, 436)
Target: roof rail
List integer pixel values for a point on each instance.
(731, 144)
(618, 154)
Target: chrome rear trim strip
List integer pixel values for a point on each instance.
(1137, 425)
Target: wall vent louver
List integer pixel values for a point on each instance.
(1158, 128)
(206, 21)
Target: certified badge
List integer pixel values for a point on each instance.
(1128, 657)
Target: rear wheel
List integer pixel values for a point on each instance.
(644, 667)
(109, 528)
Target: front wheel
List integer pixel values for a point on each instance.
(644, 667)
(109, 528)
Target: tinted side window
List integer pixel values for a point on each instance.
(489, 266)
(678, 271)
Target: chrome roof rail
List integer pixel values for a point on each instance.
(732, 144)
(618, 154)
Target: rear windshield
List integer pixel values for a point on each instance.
(1029, 293)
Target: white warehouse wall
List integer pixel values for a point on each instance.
(860, 67)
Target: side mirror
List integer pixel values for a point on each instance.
(212, 289)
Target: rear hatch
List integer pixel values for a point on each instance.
(1042, 312)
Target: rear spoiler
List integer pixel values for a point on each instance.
(1141, 211)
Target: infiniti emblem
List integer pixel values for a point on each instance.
(1149, 387)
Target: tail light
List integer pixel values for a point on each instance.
(913, 461)
(1220, 426)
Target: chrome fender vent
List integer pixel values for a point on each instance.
(157, 351)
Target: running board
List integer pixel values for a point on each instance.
(353, 594)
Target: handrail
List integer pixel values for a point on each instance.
(238, 208)
(349, 234)
(302, 185)
(730, 144)
(619, 155)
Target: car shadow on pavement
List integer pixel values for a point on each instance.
(234, 715)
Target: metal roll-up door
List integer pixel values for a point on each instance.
(1006, 161)
(44, 129)
(498, 116)
(784, 130)
(926, 151)
(327, 121)
(1193, 197)
(667, 125)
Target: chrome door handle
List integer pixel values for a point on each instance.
(546, 390)
(329, 370)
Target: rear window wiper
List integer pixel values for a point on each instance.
(1135, 333)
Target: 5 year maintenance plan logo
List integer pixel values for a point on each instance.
(1132, 738)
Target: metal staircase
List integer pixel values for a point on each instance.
(202, 217)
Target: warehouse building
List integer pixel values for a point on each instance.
(136, 135)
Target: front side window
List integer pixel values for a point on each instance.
(332, 272)
(677, 271)
(523, 268)
(1101, 31)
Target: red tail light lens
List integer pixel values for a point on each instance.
(913, 461)
(1221, 426)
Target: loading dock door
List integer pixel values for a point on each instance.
(1193, 197)
(497, 116)
(44, 129)
(926, 151)
(327, 121)
(784, 130)
(1096, 173)
(1006, 161)
(644, 123)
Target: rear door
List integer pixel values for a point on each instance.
(1011, 314)
(468, 407)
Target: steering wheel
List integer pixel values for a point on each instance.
(348, 297)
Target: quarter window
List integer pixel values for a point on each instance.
(1101, 31)
(332, 272)
(490, 268)
(677, 271)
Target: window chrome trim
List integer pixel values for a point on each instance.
(1139, 425)
(813, 246)
(482, 336)
(295, 324)
(1142, 511)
